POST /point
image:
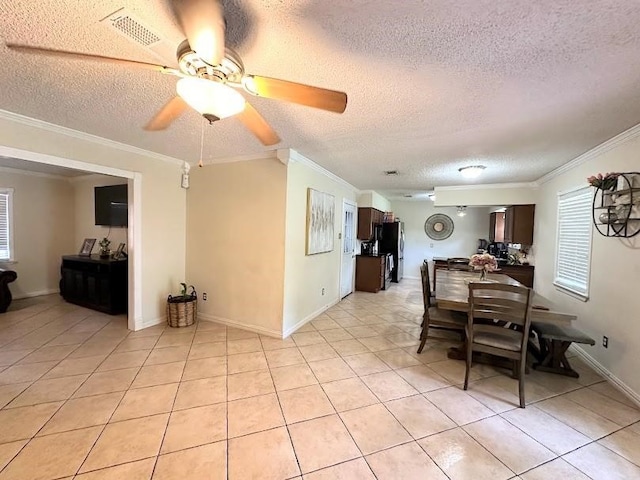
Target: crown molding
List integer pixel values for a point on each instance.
(294, 156)
(484, 186)
(601, 149)
(87, 137)
(242, 158)
(18, 171)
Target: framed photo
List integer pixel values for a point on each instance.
(320, 220)
(119, 253)
(87, 246)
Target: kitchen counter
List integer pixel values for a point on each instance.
(522, 273)
(501, 262)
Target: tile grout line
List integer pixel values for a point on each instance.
(173, 403)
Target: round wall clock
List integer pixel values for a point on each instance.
(438, 226)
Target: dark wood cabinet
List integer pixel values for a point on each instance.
(496, 227)
(521, 273)
(94, 282)
(367, 218)
(518, 224)
(370, 273)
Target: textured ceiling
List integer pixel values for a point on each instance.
(520, 86)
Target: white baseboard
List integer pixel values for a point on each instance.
(243, 326)
(308, 318)
(37, 293)
(152, 322)
(610, 377)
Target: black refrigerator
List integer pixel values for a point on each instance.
(392, 242)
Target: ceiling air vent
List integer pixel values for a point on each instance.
(133, 29)
(391, 173)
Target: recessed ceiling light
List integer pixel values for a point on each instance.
(462, 210)
(471, 171)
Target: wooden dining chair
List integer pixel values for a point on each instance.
(459, 263)
(492, 306)
(434, 316)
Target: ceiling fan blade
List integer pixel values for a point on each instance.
(258, 125)
(203, 24)
(171, 111)
(322, 98)
(86, 56)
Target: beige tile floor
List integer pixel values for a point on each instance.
(346, 397)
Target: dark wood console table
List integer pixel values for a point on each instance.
(93, 282)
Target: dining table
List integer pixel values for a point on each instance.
(452, 293)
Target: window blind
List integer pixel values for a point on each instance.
(5, 234)
(573, 252)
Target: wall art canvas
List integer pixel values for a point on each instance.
(320, 219)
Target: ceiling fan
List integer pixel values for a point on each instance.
(208, 70)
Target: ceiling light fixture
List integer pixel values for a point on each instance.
(472, 171)
(462, 210)
(211, 99)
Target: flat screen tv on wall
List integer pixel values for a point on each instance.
(111, 206)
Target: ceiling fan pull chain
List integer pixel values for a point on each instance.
(201, 142)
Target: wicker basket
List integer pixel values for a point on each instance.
(182, 310)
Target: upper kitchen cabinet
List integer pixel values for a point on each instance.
(496, 227)
(518, 224)
(367, 218)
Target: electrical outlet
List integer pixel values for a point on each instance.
(204, 296)
(605, 341)
(323, 291)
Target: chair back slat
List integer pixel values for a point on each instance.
(458, 263)
(426, 286)
(499, 301)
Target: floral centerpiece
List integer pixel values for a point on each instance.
(608, 181)
(483, 262)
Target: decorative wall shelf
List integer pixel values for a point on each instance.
(616, 212)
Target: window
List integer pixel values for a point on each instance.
(573, 253)
(6, 226)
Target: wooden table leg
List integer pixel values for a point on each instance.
(555, 360)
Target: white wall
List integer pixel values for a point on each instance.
(463, 242)
(487, 195)
(236, 244)
(43, 221)
(613, 308)
(163, 202)
(85, 226)
(306, 275)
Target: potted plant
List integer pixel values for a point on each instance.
(182, 309)
(104, 247)
(483, 262)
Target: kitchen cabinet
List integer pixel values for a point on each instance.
(496, 227)
(518, 224)
(367, 218)
(521, 273)
(371, 272)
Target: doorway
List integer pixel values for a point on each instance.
(347, 270)
(134, 237)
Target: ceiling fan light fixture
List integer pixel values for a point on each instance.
(209, 97)
(472, 171)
